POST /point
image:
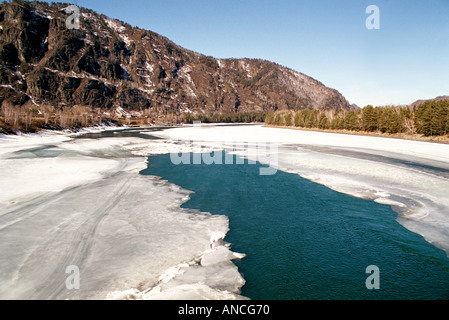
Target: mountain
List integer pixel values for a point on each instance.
(418, 102)
(111, 65)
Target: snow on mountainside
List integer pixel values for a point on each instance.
(109, 64)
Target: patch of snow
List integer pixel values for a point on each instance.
(7, 86)
(126, 39)
(114, 25)
(147, 91)
(190, 92)
(245, 66)
(119, 111)
(126, 74)
(149, 67)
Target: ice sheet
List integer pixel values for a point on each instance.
(60, 163)
(81, 202)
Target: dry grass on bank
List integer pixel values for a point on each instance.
(415, 137)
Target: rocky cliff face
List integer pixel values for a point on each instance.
(110, 65)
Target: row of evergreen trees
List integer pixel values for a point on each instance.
(430, 118)
(218, 117)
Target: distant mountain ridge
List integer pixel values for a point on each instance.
(439, 98)
(111, 65)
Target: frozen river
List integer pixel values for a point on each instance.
(68, 202)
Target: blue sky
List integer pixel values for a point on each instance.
(405, 60)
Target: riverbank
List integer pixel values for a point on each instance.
(405, 136)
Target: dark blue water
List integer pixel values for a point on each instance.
(305, 241)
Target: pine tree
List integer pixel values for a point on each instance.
(394, 120)
(323, 122)
(277, 120)
(426, 119)
(269, 119)
(369, 120)
(442, 116)
(288, 119)
(382, 119)
(351, 121)
(311, 119)
(300, 118)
